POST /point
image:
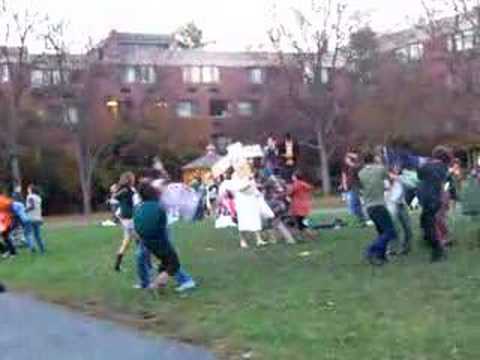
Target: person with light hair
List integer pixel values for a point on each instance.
(125, 197)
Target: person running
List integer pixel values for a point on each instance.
(125, 197)
(34, 211)
(433, 176)
(372, 179)
(301, 206)
(151, 225)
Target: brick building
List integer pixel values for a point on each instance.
(210, 92)
(203, 94)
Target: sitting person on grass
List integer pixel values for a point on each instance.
(150, 221)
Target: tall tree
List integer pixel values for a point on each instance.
(189, 36)
(317, 40)
(18, 29)
(79, 106)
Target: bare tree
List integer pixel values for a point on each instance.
(18, 29)
(79, 107)
(317, 40)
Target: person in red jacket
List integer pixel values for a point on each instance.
(301, 201)
(6, 224)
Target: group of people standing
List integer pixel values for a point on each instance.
(388, 185)
(266, 198)
(21, 222)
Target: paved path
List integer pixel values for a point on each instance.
(32, 330)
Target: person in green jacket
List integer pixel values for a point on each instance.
(151, 225)
(372, 179)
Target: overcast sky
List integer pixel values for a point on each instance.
(232, 24)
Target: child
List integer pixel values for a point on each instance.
(301, 206)
(34, 212)
(151, 225)
(372, 180)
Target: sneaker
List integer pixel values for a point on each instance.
(261, 243)
(186, 286)
(376, 260)
(138, 287)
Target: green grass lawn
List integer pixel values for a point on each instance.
(273, 301)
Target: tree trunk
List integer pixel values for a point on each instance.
(86, 196)
(15, 169)
(13, 149)
(324, 165)
(85, 178)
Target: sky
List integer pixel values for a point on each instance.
(231, 25)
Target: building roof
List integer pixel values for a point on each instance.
(204, 162)
(423, 31)
(155, 56)
(142, 39)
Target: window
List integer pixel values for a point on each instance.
(48, 77)
(450, 43)
(468, 39)
(308, 73)
(145, 74)
(257, 76)
(37, 78)
(186, 109)
(192, 74)
(416, 51)
(139, 74)
(210, 74)
(324, 75)
(402, 54)
(5, 73)
(56, 77)
(246, 108)
(458, 42)
(204, 74)
(219, 108)
(71, 116)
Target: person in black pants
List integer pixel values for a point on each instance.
(150, 220)
(433, 176)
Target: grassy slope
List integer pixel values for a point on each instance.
(328, 305)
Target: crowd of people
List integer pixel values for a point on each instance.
(387, 184)
(20, 222)
(265, 199)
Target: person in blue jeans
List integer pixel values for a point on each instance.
(35, 219)
(151, 225)
(351, 186)
(144, 266)
(372, 179)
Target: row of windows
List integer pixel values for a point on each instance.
(460, 41)
(139, 74)
(465, 40)
(191, 75)
(217, 108)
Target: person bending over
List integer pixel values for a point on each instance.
(150, 221)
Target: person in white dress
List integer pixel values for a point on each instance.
(248, 203)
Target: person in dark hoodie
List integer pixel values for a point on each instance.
(433, 176)
(151, 225)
